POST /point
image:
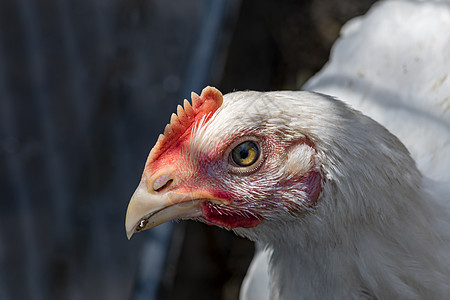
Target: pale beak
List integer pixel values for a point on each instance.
(149, 208)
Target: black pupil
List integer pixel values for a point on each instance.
(243, 153)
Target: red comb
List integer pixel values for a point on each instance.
(180, 123)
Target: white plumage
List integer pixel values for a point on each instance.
(393, 64)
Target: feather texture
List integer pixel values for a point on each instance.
(390, 64)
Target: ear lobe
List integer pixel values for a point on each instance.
(301, 158)
(302, 168)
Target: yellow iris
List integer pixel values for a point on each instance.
(245, 154)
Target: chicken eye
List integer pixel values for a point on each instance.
(245, 154)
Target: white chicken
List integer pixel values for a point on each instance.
(334, 200)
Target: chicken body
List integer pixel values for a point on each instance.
(333, 199)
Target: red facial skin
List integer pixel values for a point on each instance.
(229, 215)
(208, 175)
(229, 221)
(232, 219)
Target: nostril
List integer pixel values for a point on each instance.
(162, 182)
(164, 186)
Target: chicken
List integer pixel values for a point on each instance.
(335, 197)
(334, 200)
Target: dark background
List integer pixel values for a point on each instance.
(85, 88)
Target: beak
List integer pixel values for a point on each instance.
(149, 208)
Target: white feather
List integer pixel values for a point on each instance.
(393, 65)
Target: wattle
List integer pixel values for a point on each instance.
(229, 220)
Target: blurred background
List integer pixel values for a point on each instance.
(86, 86)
